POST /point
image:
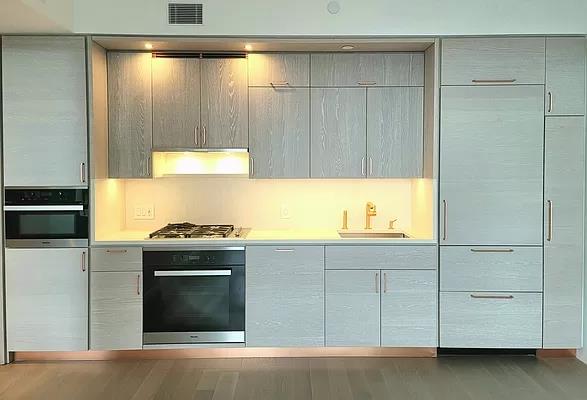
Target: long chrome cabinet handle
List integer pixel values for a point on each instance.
(370, 166)
(366, 83)
(385, 282)
(83, 261)
(444, 219)
(285, 250)
(252, 166)
(549, 231)
(549, 102)
(363, 166)
(492, 250)
(493, 80)
(376, 282)
(204, 135)
(82, 172)
(495, 297)
(279, 83)
(138, 284)
(196, 134)
(116, 250)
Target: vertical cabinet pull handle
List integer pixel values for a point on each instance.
(138, 284)
(252, 165)
(385, 282)
(444, 219)
(363, 166)
(204, 135)
(83, 261)
(82, 172)
(549, 231)
(376, 282)
(196, 134)
(370, 166)
(549, 102)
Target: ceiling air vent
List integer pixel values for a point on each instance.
(185, 13)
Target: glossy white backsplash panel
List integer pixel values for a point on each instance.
(312, 204)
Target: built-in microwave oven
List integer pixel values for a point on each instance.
(46, 217)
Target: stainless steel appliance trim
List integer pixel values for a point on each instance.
(201, 272)
(192, 248)
(72, 207)
(42, 243)
(199, 150)
(193, 337)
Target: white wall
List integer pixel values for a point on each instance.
(366, 17)
(36, 16)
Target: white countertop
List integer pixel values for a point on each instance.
(256, 237)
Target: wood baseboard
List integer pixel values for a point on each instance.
(156, 354)
(556, 353)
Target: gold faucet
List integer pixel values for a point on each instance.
(370, 211)
(345, 219)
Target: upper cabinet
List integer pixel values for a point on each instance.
(129, 115)
(44, 111)
(176, 103)
(479, 61)
(565, 76)
(279, 69)
(367, 69)
(224, 108)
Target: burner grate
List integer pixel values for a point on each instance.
(186, 230)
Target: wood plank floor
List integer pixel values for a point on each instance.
(475, 378)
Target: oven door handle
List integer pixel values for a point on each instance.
(73, 207)
(211, 272)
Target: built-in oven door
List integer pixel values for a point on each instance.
(193, 304)
(46, 226)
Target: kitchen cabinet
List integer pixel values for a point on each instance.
(44, 111)
(130, 116)
(224, 106)
(493, 61)
(285, 296)
(565, 76)
(564, 192)
(491, 320)
(176, 103)
(491, 151)
(409, 308)
(338, 139)
(116, 310)
(381, 257)
(279, 69)
(367, 69)
(353, 308)
(117, 259)
(395, 141)
(47, 299)
(279, 132)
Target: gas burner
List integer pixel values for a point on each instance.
(186, 230)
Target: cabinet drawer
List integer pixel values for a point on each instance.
(279, 70)
(116, 259)
(367, 69)
(491, 320)
(473, 61)
(491, 268)
(381, 257)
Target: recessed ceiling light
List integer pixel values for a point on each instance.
(248, 47)
(148, 46)
(348, 47)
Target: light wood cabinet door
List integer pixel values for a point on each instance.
(352, 308)
(565, 76)
(176, 103)
(491, 150)
(44, 111)
(564, 191)
(224, 107)
(493, 61)
(267, 69)
(47, 299)
(338, 138)
(367, 69)
(116, 311)
(129, 115)
(395, 141)
(279, 125)
(409, 308)
(285, 296)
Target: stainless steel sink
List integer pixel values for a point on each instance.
(372, 234)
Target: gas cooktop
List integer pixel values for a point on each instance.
(185, 230)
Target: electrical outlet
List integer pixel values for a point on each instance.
(284, 212)
(144, 211)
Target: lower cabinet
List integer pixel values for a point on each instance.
(47, 299)
(393, 308)
(116, 306)
(285, 296)
(491, 320)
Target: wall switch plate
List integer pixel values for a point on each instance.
(144, 211)
(284, 212)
